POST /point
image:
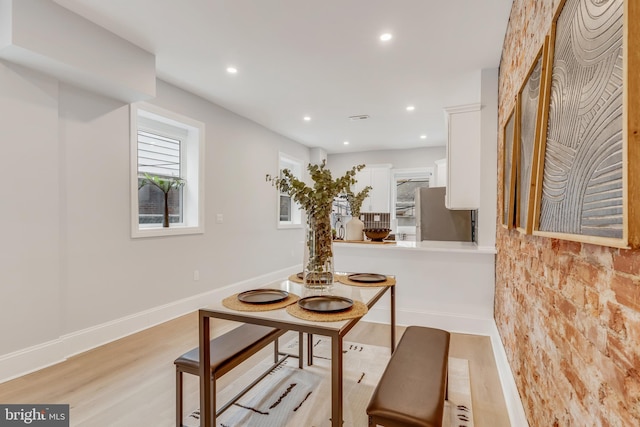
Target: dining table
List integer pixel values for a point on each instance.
(367, 295)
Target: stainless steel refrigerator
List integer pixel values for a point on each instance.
(435, 222)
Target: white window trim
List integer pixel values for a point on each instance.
(296, 211)
(193, 196)
(405, 173)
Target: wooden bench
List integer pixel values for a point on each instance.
(227, 352)
(413, 387)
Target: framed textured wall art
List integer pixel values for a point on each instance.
(587, 181)
(509, 172)
(527, 134)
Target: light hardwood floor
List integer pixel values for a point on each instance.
(131, 382)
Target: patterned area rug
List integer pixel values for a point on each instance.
(295, 397)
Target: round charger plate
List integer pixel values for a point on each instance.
(325, 304)
(367, 277)
(263, 296)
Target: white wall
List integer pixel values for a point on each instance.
(399, 159)
(30, 208)
(488, 159)
(67, 260)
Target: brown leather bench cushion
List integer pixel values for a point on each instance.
(230, 349)
(412, 390)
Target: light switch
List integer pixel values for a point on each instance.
(219, 218)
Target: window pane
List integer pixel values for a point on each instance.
(158, 155)
(285, 208)
(405, 200)
(151, 204)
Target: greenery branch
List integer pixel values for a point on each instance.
(355, 200)
(317, 201)
(164, 184)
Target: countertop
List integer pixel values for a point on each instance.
(427, 245)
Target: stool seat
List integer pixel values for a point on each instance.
(413, 387)
(230, 349)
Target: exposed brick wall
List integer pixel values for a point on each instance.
(568, 313)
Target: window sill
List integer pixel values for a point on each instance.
(289, 226)
(174, 230)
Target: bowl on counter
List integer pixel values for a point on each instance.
(377, 234)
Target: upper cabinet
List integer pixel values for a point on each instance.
(463, 157)
(379, 178)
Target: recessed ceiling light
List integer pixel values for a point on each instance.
(386, 37)
(411, 108)
(306, 118)
(346, 143)
(232, 70)
(423, 136)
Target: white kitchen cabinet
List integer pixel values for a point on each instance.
(379, 178)
(463, 157)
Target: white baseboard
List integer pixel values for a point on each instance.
(27, 360)
(511, 396)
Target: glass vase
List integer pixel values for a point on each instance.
(318, 270)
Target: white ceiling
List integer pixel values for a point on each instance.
(321, 58)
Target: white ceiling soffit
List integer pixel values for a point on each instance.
(321, 59)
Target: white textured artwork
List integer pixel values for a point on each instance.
(582, 189)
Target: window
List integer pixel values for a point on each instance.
(168, 146)
(406, 182)
(289, 213)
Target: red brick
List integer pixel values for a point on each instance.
(627, 261)
(600, 256)
(567, 308)
(627, 290)
(632, 393)
(574, 291)
(617, 351)
(548, 256)
(597, 336)
(616, 319)
(574, 379)
(585, 272)
(612, 375)
(592, 302)
(568, 246)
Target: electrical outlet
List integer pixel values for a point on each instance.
(219, 218)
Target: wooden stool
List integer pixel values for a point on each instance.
(413, 387)
(227, 352)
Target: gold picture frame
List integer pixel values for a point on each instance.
(509, 172)
(587, 177)
(530, 102)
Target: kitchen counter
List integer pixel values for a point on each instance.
(449, 285)
(427, 245)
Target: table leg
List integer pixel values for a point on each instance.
(336, 381)
(309, 349)
(393, 319)
(207, 412)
